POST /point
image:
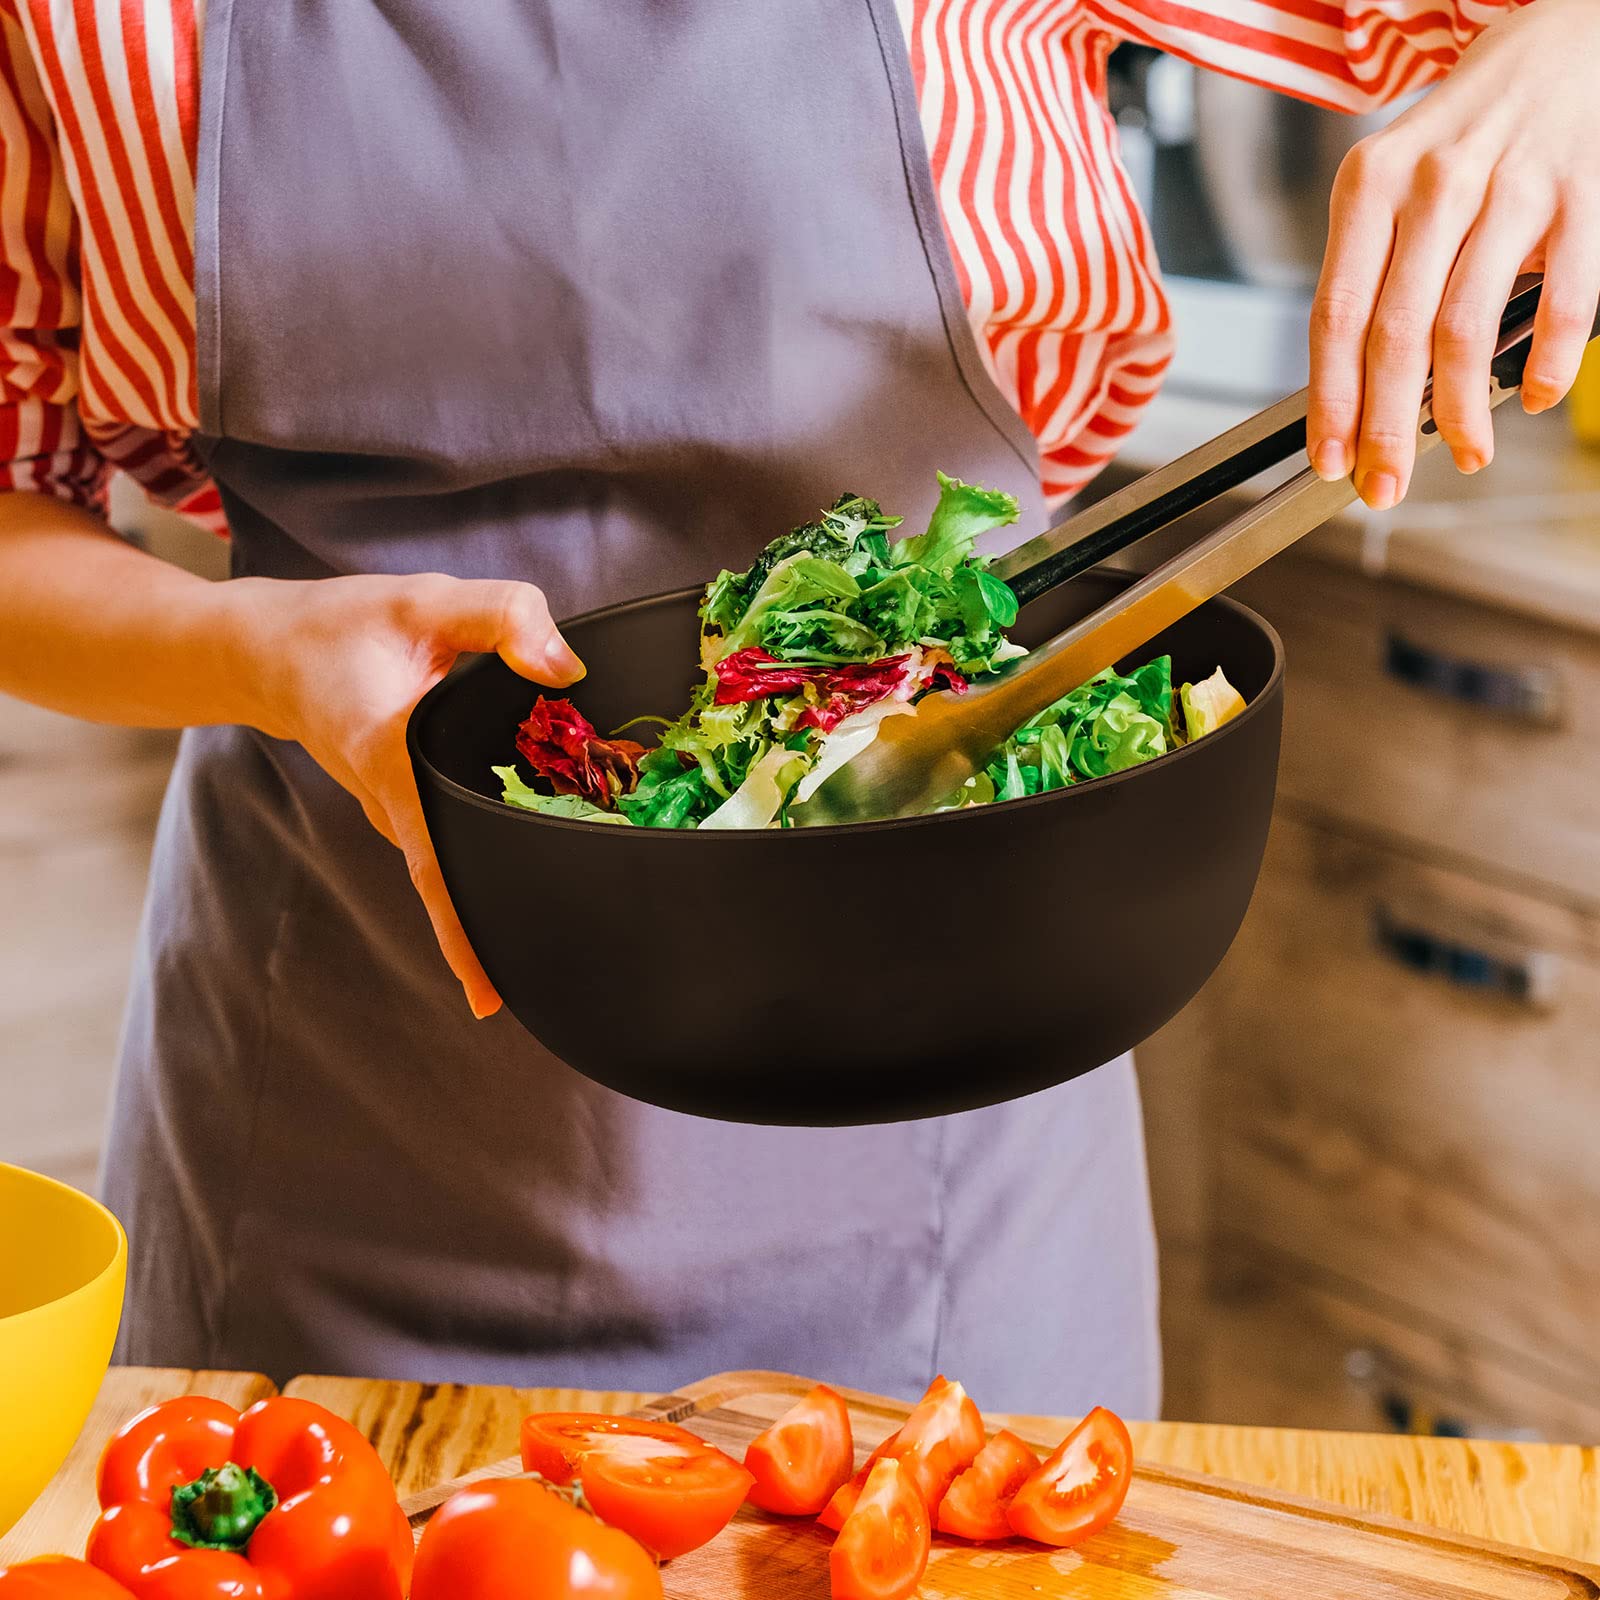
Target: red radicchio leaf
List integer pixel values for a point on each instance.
(561, 746)
(840, 691)
(942, 673)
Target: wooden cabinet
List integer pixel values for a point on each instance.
(1373, 1135)
(1466, 730)
(1275, 1340)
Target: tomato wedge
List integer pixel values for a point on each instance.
(668, 1488)
(1081, 1487)
(803, 1457)
(939, 1439)
(882, 1550)
(975, 1506)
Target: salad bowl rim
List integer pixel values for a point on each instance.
(542, 819)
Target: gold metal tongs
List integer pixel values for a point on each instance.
(920, 762)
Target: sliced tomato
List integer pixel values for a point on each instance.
(554, 1442)
(1081, 1487)
(668, 1488)
(803, 1457)
(974, 1507)
(939, 1439)
(882, 1549)
(845, 1496)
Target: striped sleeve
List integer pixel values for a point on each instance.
(42, 442)
(1349, 55)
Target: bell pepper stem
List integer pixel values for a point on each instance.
(222, 1508)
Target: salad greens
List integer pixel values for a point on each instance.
(833, 628)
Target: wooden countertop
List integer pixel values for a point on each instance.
(1543, 1496)
(1522, 536)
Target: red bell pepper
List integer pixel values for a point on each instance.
(58, 1578)
(287, 1502)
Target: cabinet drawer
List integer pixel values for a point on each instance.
(1407, 1127)
(1284, 1350)
(1434, 719)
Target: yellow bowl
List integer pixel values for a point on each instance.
(63, 1263)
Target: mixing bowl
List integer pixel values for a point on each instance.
(63, 1260)
(860, 974)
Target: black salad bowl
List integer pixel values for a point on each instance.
(891, 970)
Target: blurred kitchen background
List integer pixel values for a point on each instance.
(1372, 1136)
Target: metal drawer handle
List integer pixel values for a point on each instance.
(1525, 975)
(1529, 693)
(1386, 1381)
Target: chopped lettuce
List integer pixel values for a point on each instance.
(850, 531)
(1107, 725)
(758, 800)
(802, 613)
(1206, 706)
(846, 742)
(964, 513)
(572, 806)
(669, 794)
(835, 629)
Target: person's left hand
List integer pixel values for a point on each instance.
(1494, 173)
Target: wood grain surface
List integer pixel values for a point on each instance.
(1180, 1535)
(1545, 1497)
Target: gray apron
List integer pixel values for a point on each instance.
(600, 296)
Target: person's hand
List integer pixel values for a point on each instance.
(1495, 172)
(338, 665)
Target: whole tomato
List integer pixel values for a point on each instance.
(516, 1539)
(58, 1578)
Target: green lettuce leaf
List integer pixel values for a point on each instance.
(1106, 725)
(572, 806)
(902, 605)
(852, 532)
(964, 511)
(801, 612)
(1120, 736)
(669, 794)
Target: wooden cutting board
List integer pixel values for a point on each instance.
(1181, 1536)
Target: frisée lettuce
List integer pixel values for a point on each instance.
(833, 628)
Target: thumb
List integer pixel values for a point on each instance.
(508, 618)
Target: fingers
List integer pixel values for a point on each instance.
(1361, 234)
(1444, 198)
(510, 618)
(379, 818)
(1422, 259)
(409, 831)
(1469, 326)
(388, 795)
(1564, 323)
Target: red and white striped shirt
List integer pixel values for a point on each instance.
(99, 103)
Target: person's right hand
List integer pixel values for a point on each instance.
(338, 664)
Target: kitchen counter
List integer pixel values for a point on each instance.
(1543, 1496)
(1523, 535)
